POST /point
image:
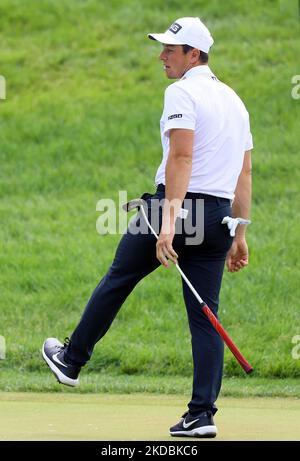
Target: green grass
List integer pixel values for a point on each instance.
(81, 122)
(47, 416)
(115, 383)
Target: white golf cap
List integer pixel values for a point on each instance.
(186, 31)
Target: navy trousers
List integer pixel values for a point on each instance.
(203, 264)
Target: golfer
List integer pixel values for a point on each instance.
(206, 142)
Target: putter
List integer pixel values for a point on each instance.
(139, 203)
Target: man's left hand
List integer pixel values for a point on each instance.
(237, 257)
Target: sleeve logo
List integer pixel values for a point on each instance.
(175, 27)
(174, 116)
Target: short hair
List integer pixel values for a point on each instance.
(203, 56)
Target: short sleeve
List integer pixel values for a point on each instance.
(179, 109)
(249, 139)
(249, 142)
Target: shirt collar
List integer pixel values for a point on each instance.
(198, 70)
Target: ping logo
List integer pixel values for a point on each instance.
(175, 27)
(174, 116)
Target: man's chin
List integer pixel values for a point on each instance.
(171, 76)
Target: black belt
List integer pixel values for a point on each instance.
(194, 195)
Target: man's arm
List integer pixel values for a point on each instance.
(237, 256)
(178, 173)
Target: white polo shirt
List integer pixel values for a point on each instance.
(200, 102)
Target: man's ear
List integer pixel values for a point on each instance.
(195, 55)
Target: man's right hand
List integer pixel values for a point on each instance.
(237, 257)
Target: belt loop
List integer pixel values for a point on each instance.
(218, 201)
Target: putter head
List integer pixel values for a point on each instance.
(132, 204)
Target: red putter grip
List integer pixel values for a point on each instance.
(226, 338)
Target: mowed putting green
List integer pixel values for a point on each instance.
(37, 416)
